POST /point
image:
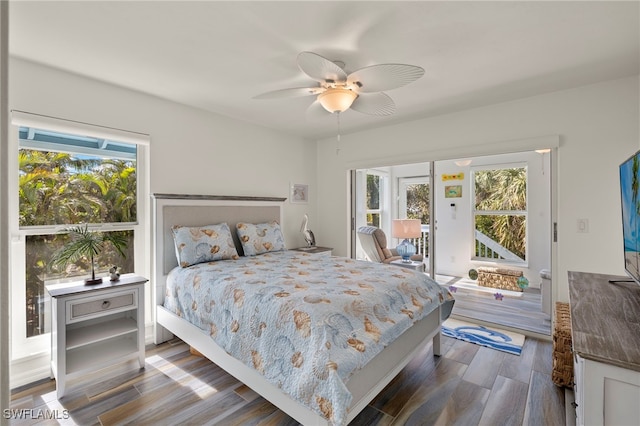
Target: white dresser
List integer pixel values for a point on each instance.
(605, 334)
(95, 326)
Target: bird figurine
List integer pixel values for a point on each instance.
(308, 235)
(115, 275)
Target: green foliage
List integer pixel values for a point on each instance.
(418, 202)
(502, 193)
(87, 244)
(418, 208)
(59, 189)
(373, 192)
(62, 189)
(373, 219)
(501, 189)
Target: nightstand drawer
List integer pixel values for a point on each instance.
(89, 307)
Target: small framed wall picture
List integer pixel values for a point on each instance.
(299, 193)
(453, 191)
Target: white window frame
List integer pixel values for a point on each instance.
(361, 200)
(403, 183)
(35, 347)
(474, 212)
(383, 209)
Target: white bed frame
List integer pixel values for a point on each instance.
(194, 210)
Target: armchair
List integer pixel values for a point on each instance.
(374, 244)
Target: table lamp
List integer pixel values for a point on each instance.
(406, 228)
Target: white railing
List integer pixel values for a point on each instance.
(422, 242)
(488, 248)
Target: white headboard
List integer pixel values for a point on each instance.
(198, 210)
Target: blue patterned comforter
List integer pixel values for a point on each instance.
(304, 322)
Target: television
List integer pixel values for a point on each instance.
(630, 198)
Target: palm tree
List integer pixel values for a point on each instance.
(499, 192)
(87, 244)
(59, 189)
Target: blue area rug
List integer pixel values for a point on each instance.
(501, 340)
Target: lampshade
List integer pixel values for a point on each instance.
(337, 99)
(406, 228)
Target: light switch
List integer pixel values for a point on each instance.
(583, 226)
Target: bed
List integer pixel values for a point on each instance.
(317, 336)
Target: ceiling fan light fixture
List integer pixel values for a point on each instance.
(462, 163)
(337, 99)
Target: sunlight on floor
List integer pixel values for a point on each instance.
(518, 310)
(200, 388)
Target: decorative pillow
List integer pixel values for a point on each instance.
(260, 238)
(203, 244)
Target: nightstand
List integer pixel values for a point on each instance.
(95, 326)
(416, 266)
(321, 251)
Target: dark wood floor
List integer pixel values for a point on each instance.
(468, 385)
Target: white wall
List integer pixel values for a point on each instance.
(192, 151)
(598, 129)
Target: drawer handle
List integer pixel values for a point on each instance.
(106, 304)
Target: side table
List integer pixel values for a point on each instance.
(416, 266)
(321, 251)
(95, 326)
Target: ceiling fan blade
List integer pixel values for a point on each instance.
(378, 78)
(374, 104)
(290, 93)
(320, 69)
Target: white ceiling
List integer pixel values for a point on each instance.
(217, 55)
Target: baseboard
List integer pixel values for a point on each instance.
(30, 369)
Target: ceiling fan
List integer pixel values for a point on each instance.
(362, 90)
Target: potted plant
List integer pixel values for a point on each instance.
(85, 243)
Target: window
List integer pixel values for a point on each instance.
(371, 203)
(374, 199)
(66, 179)
(500, 214)
(414, 195)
